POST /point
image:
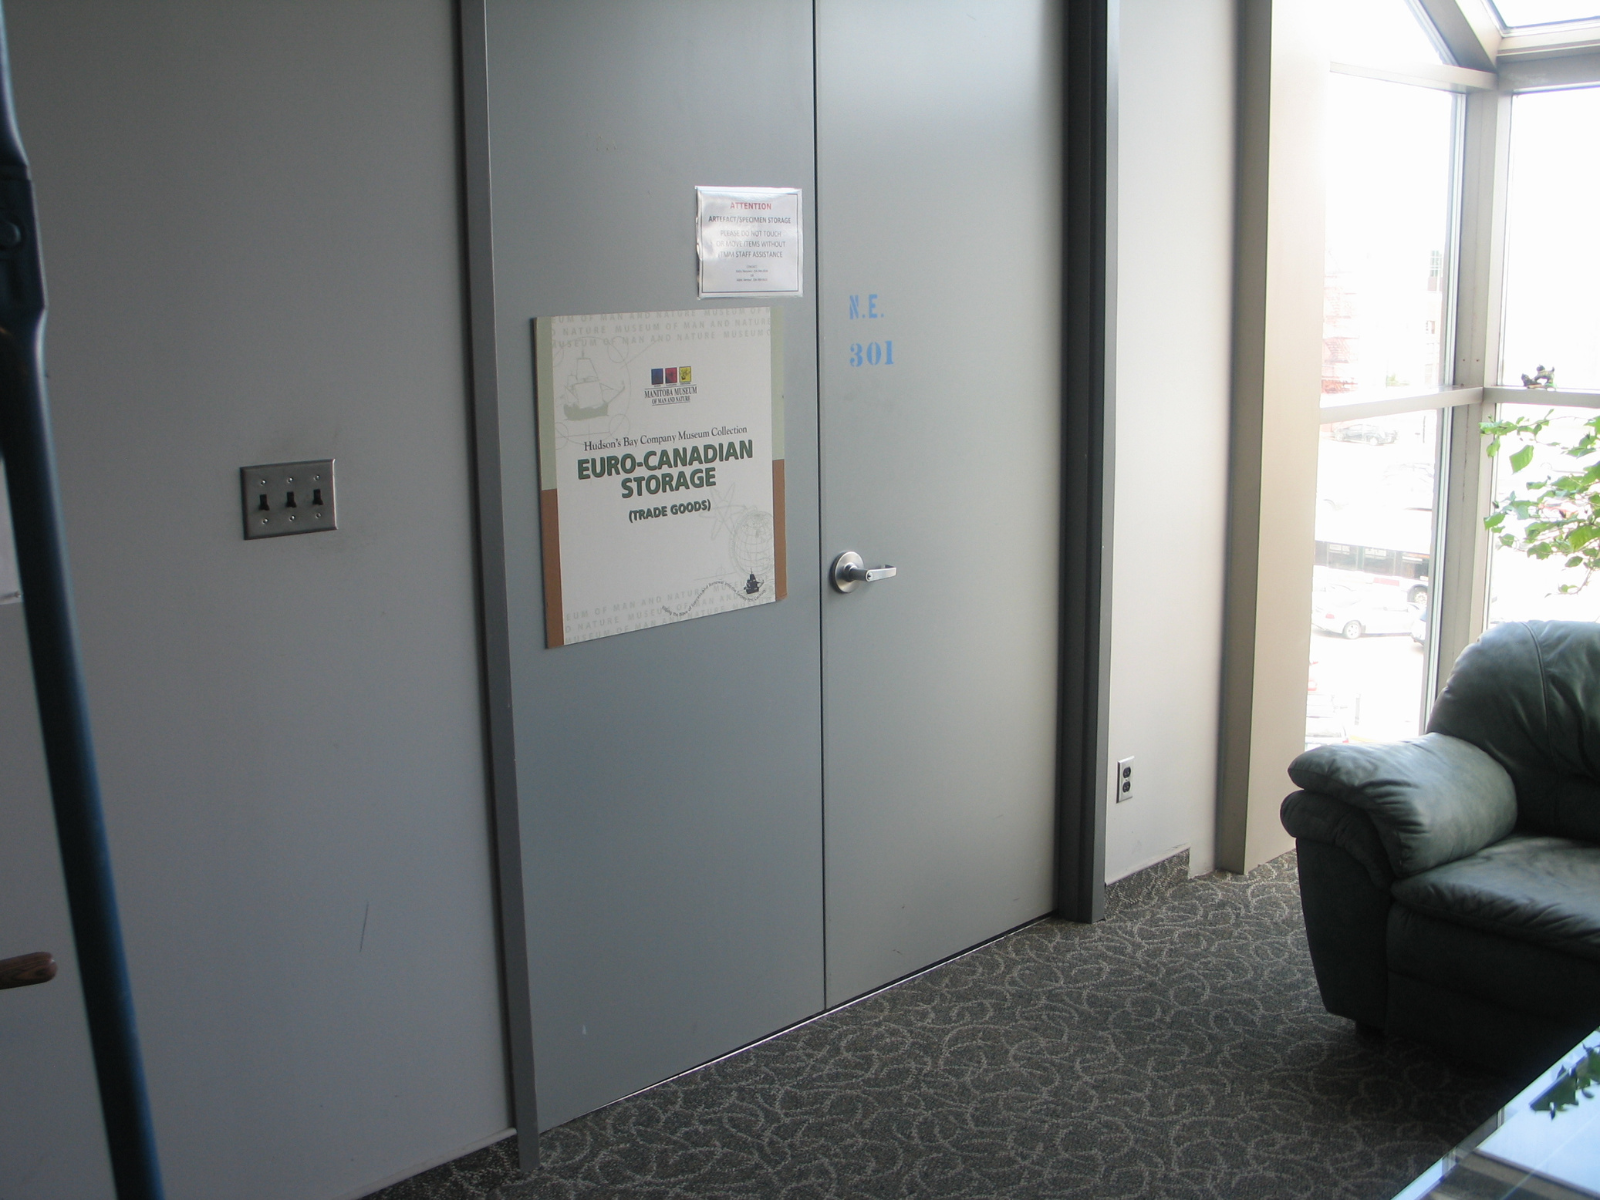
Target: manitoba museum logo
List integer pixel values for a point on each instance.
(670, 385)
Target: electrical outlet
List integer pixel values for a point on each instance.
(283, 498)
(1124, 779)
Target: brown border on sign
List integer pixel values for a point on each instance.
(780, 553)
(550, 543)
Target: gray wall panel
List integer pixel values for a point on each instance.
(51, 1141)
(670, 777)
(252, 240)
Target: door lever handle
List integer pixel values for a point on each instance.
(26, 969)
(849, 572)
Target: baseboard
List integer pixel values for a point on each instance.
(1158, 860)
(1149, 884)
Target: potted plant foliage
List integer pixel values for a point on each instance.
(1557, 517)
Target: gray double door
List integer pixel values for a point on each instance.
(730, 824)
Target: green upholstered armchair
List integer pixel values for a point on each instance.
(1451, 883)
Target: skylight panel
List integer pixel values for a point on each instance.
(1515, 14)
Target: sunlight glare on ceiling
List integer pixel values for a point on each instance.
(1378, 32)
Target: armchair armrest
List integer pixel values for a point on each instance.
(1313, 817)
(1344, 892)
(1432, 799)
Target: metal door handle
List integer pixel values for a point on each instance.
(849, 572)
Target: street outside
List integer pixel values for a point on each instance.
(1374, 506)
(1374, 535)
(1371, 687)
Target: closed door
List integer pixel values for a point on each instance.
(695, 875)
(938, 179)
(670, 778)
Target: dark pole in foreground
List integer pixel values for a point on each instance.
(25, 446)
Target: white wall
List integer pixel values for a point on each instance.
(1174, 312)
(251, 235)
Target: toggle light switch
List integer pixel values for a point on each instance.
(282, 498)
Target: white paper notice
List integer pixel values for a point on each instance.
(660, 468)
(750, 241)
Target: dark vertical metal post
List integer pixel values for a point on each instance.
(25, 445)
(493, 620)
(1088, 315)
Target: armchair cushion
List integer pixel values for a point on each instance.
(1528, 888)
(1433, 799)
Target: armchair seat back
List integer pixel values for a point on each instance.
(1528, 694)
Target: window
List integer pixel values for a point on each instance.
(1391, 177)
(1526, 589)
(1390, 171)
(1514, 14)
(1552, 326)
(1552, 306)
(1369, 601)
(1458, 180)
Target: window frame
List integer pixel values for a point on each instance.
(1278, 306)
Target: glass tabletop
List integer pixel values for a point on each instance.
(1544, 1144)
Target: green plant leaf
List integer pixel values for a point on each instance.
(1521, 458)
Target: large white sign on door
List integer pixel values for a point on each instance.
(660, 467)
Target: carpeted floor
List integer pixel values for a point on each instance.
(1176, 1050)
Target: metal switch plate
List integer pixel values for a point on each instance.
(283, 498)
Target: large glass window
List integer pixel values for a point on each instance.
(1390, 188)
(1551, 325)
(1374, 572)
(1552, 305)
(1390, 167)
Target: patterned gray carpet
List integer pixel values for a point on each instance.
(1176, 1050)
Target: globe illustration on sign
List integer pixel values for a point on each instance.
(751, 544)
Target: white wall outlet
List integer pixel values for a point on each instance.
(285, 498)
(1124, 781)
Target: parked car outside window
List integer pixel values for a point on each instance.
(1352, 615)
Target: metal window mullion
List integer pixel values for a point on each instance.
(1400, 405)
(1541, 397)
(1465, 487)
(1445, 437)
(1450, 280)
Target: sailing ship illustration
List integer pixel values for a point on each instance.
(590, 395)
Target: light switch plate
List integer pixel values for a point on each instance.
(284, 498)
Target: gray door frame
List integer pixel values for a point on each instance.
(1088, 343)
(1088, 429)
(494, 628)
